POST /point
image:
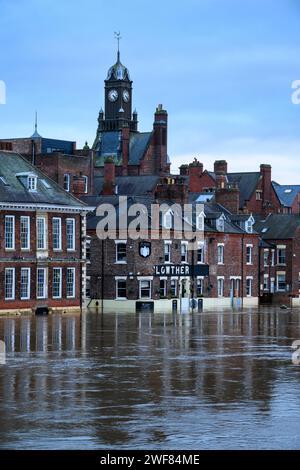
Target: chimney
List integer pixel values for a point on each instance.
(78, 185)
(125, 149)
(265, 172)
(184, 170)
(220, 167)
(229, 197)
(195, 171)
(172, 188)
(109, 177)
(160, 128)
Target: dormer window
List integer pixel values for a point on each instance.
(200, 222)
(31, 183)
(220, 224)
(249, 224)
(167, 219)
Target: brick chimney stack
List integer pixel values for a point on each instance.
(160, 128)
(266, 178)
(220, 170)
(125, 149)
(172, 188)
(195, 171)
(109, 177)
(79, 185)
(229, 197)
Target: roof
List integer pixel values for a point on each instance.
(278, 226)
(286, 193)
(246, 182)
(129, 185)
(12, 190)
(109, 144)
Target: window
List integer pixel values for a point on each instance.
(200, 253)
(163, 288)
(220, 224)
(273, 258)
(258, 195)
(200, 222)
(86, 182)
(41, 289)
(220, 287)
(41, 233)
(249, 249)
(88, 250)
(9, 283)
(167, 252)
(9, 232)
(70, 224)
(249, 281)
(25, 284)
(173, 288)
(281, 282)
(121, 255)
(281, 255)
(184, 252)
(70, 283)
(56, 233)
(167, 220)
(266, 282)
(266, 257)
(32, 183)
(199, 286)
(249, 226)
(57, 283)
(220, 254)
(25, 232)
(67, 182)
(145, 289)
(121, 291)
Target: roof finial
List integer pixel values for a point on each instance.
(118, 38)
(36, 135)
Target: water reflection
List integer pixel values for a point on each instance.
(213, 380)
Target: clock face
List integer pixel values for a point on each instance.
(126, 96)
(113, 95)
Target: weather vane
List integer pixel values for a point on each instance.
(118, 38)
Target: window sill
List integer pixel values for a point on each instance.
(120, 262)
(121, 298)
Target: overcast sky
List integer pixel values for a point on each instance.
(222, 68)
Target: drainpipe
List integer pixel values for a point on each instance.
(102, 274)
(242, 276)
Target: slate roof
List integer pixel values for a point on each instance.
(110, 145)
(286, 193)
(246, 182)
(129, 185)
(279, 226)
(14, 191)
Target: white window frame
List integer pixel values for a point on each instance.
(59, 296)
(167, 243)
(266, 278)
(220, 224)
(220, 293)
(150, 288)
(45, 285)
(167, 219)
(73, 247)
(185, 252)
(13, 284)
(249, 226)
(26, 297)
(266, 262)
(86, 183)
(74, 283)
(281, 247)
(12, 233)
(175, 281)
(24, 218)
(43, 233)
(67, 180)
(165, 288)
(54, 220)
(32, 183)
(117, 243)
(250, 247)
(280, 273)
(199, 278)
(220, 259)
(117, 279)
(249, 278)
(200, 222)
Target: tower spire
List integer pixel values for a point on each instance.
(36, 135)
(118, 38)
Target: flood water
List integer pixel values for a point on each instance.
(137, 381)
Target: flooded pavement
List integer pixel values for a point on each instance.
(202, 381)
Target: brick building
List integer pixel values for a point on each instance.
(162, 274)
(42, 248)
(280, 258)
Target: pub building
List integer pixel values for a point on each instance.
(163, 275)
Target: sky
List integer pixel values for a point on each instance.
(222, 68)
